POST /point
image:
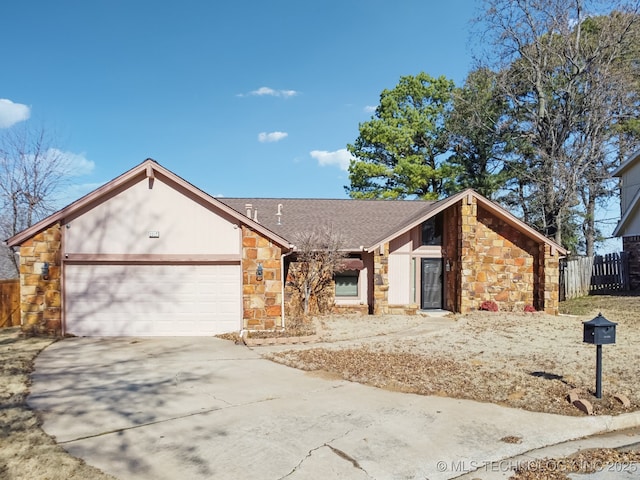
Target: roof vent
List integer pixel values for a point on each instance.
(279, 214)
(255, 215)
(248, 207)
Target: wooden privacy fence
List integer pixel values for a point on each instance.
(610, 272)
(9, 303)
(580, 276)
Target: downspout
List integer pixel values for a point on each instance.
(284, 281)
(63, 256)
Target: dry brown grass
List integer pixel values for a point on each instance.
(510, 343)
(587, 461)
(528, 361)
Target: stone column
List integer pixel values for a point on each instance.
(261, 297)
(549, 278)
(381, 280)
(468, 256)
(40, 293)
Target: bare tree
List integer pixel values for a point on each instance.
(568, 75)
(32, 171)
(318, 257)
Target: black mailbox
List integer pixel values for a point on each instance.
(599, 331)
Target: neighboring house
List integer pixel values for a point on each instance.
(629, 225)
(150, 254)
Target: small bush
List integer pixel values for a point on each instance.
(489, 306)
(530, 309)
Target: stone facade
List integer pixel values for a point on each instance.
(499, 263)
(350, 309)
(631, 246)
(261, 296)
(381, 280)
(548, 286)
(40, 294)
(485, 258)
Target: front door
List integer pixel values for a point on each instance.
(431, 284)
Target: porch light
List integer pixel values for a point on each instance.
(259, 272)
(45, 271)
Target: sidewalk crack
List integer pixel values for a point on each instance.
(335, 450)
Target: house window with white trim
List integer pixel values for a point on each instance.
(347, 283)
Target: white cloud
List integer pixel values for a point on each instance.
(265, 137)
(341, 158)
(12, 113)
(73, 164)
(370, 109)
(262, 91)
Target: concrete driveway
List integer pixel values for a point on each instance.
(167, 408)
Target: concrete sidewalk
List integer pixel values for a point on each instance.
(167, 408)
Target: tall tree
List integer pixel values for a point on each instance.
(397, 153)
(479, 134)
(32, 171)
(611, 100)
(561, 78)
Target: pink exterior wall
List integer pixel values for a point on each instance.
(400, 274)
(121, 225)
(405, 253)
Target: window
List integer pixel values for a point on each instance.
(347, 283)
(432, 231)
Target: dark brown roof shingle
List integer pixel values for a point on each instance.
(360, 222)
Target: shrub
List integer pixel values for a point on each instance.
(530, 309)
(489, 306)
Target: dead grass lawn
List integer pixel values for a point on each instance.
(528, 361)
(525, 361)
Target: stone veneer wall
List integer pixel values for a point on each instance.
(381, 281)
(548, 281)
(40, 298)
(631, 245)
(350, 309)
(500, 263)
(262, 299)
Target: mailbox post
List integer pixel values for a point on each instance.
(599, 331)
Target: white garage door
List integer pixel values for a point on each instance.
(152, 300)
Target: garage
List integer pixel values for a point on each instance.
(149, 254)
(152, 299)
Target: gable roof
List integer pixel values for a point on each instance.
(365, 224)
(635, 202)
(360, 222)
(151, 170)
(628, 215)
(628, 163)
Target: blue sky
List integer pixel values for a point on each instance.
(241, 98)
